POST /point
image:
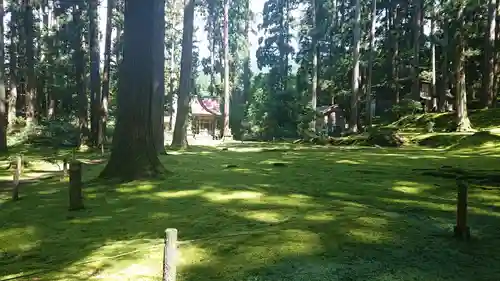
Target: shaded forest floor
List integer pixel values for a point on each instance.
(326, 213)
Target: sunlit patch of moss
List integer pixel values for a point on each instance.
(90, 220)
(262, 250)
(410, 187)
(264, 216)
(423, 204)
(228, 196)
(369, 235)
(18, 239)
(321, 216)
(178, 194)
(348, 162)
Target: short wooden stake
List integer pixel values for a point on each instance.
(170, 255)
(461, 230)
(17, 177)
(75, 186)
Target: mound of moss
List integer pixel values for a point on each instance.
(445, 122)
(460, 141)
(477, 140)
(440, 141)
(386, 138)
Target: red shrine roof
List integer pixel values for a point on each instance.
(212, 104)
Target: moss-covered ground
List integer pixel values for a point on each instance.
(328, 213)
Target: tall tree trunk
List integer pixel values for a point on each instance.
(496, 55)
(79, 64)
(227, 92)
(96, 137)
(107, 68)
(443, 103)
(171, 85)
(118, 50)
(3, 96)
(48, 56)
(247, 72)
(353, 120)
(158, 53)
(462, 119)
(13, 82)
(172, 71)
(395, 52)
(314, 74)
(417, 27)
(133, 154)
(489, 72)
(433, 58)
(179, 138)
(370, 65)
(30, 61)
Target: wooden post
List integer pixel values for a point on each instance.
(170, 255)
(75, 186)
(461, 230)
(16, 177)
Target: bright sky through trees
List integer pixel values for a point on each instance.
(256, 6)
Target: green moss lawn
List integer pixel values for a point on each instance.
(330, 214)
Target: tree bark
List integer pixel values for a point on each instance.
(417, 16)
(3, 96)
(353, 120)
(433, 57)
(13, 83)
(179, 138)
(133, 154)
(30, 97)
(442, 104)
(227, 92)
(395, 53)
(314, 74)
(487, 95)
(462, 119)
(158, 54)
(79, 63)
(370, 65)
(107, 68)
(247, 72)
(95, 77)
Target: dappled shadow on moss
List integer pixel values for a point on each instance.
(323, 216)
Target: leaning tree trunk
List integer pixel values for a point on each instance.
(133, 154)
(179, 138)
